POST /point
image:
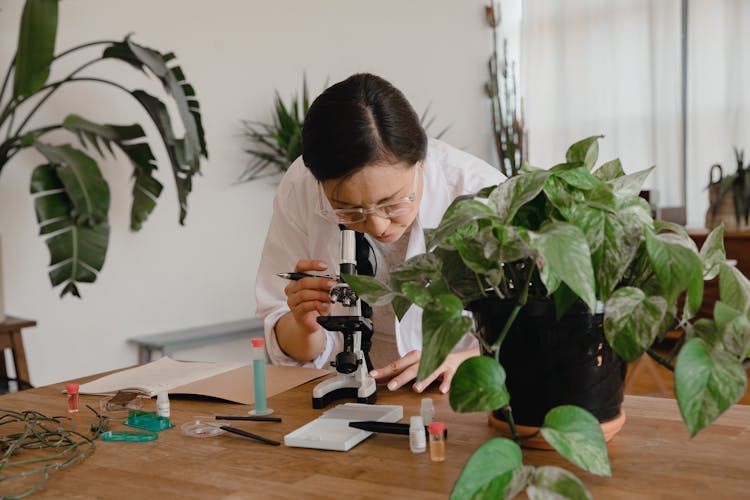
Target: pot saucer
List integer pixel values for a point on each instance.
(609, 429)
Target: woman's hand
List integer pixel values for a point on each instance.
(405, 369)
(309, 298)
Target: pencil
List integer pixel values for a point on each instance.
(253, 418)
(250, 435)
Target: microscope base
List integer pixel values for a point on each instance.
(356, 385)
(345, 393)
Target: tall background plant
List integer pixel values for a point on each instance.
(71, 197)
(506, 106)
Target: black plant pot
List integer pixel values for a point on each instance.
(549, 363)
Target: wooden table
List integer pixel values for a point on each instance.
(652, 456)
(10, 338)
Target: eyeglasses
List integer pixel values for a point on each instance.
(387, 210)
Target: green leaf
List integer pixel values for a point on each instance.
(442, 327)
(182, 169)
(417, 294)
(564, 297)
(673, 263)
(563, 248)
(515, 192)
(77, 246)
(478, 385)
(559, 195)
(174, 82)
(694, 297)
(622, 237)
(579, 178)
(609, 170)
(420, 268)
(551, 482)
(36, 46)
(457, 215)
(734, 288)
(585, 151)
(489, 472)
(577, 436)
(82, 180)
(734, 329)
(369, 289)
(630, 185)
(631, 321)
(464, 283)
(712, 253)
(400, 306)
(132, 141)
(704, 329)
(707, 382)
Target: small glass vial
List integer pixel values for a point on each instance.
(417, 438)
(259, 378)
(427, 411)
(162, 404)
(437, 441)
(73, 397)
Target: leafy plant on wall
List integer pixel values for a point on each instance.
(274, 146)
(71, 197)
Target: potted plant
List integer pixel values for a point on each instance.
(722, 208)
(274, 146)
(574, 240)
(71, 196)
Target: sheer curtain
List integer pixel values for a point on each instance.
(718, 94)
(607, 67)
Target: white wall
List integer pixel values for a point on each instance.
(235, 53)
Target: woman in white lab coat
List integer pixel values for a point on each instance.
(367, 164)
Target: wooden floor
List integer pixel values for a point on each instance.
(647, 378)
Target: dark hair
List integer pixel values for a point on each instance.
(357, 122)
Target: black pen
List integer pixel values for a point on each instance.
(254, 418)
(299, 276)
(250, 435)
(386, 427)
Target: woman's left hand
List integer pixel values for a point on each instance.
(404, 370)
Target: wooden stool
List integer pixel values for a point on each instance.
(10, 338)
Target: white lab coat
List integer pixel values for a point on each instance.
(299, 230)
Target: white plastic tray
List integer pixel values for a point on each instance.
(331, 430)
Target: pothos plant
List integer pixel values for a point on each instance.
(573, 232)
(71, 195)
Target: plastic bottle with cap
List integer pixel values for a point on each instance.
(417, 439)
(437, 441)
(427, 411)
(259, 378)
(73, 397)
(162, 404)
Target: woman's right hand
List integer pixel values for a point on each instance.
(309, 298)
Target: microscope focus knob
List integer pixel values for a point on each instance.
(346, 362)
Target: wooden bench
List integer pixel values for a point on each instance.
(169, 342)
(11, 338)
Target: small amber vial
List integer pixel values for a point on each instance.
(72, 390)
(437, 441)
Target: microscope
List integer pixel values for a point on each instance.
(352, 379)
